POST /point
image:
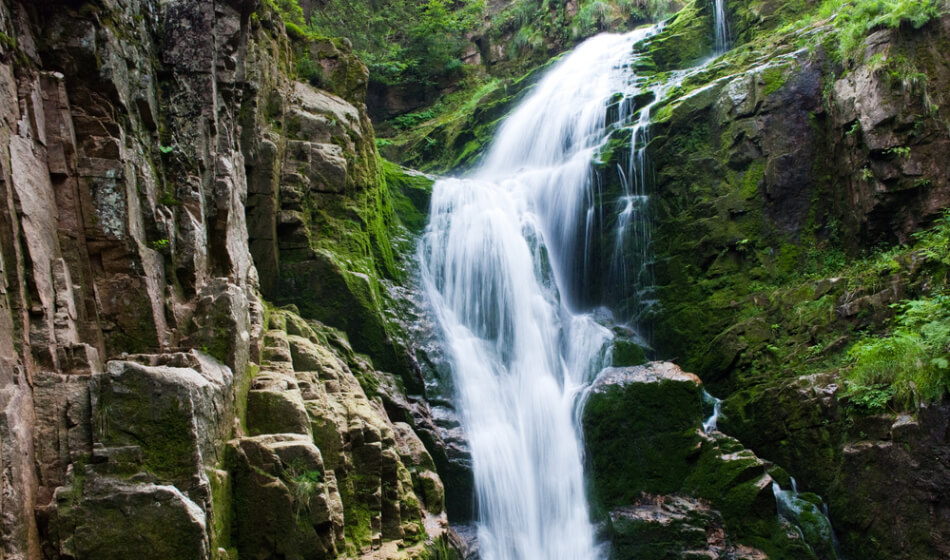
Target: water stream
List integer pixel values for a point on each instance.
(810, 519)
(504, 261)
(507, 266)
(721, 26)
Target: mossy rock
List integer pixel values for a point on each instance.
(686, 39)
(276, 411)
(627, 353)
(412, 192)
(326, 290)
(100, 518)
(285, 504)
(640, 428)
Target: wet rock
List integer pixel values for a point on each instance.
(674, 504)
(785, 421)
(668, 527)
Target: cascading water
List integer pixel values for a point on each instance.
(810, 520)
(632, 235)
(504, 265)
(711, 424)
(721, 26)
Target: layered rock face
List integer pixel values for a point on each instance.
(778, 166)
(159, 171)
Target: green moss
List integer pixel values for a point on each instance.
(220, 483)
(9, 43)
(773, 79)
(168, 449)
(626, 353)
(357, 515)
(752, 180)
(411, 192)
(651, 455)
(686, 39)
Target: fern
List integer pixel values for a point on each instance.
(913, 361)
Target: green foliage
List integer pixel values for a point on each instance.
(854, 19)
(590, 18)
(934, 243)
(400, 40)
(911, 364)
(161, 245)
(902, 152)
(410, 120)
(290, 11)
(311, 72)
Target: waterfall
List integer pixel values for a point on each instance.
(711, 424)
(722, 27)
(809, 520)
(633, 232)
(505, 266)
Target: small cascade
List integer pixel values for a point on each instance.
(721, 26)
(631, 264)
(809, 515)
(710, 425)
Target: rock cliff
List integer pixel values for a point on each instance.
(800, 188)
(163, 178)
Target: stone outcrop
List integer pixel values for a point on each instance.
(667, 489)
(883, 474)
(779, 166)
(162, 175)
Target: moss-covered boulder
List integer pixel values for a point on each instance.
(643, 430)
(796, 423)
(168, 406)
(672, 528)
(640, 431)
(275, 406)
(103, 518)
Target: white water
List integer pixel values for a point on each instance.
(503, 264)
(722, 27)
(633, 235)
(794, 509)
(711, 424)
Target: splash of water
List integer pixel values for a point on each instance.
(810, 520)
(711, 424)
(504, 262)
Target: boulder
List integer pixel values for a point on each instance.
(172, 406)
(640, 426)
(286, 504)
(666, 487)
(672, 527)
(102, 518)
(275, 406)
